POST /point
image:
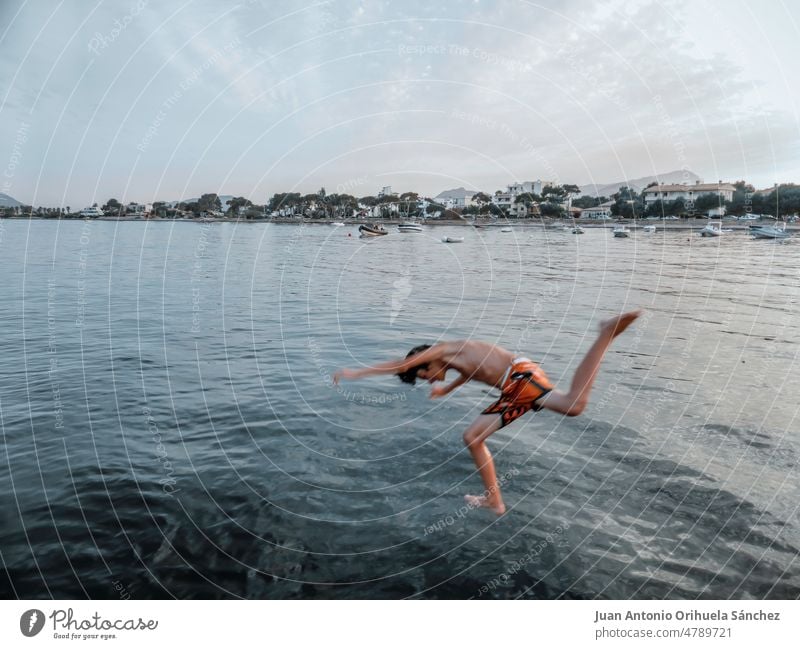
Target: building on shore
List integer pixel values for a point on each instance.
(453, 199)
(574, 212)
(138, 209)
(529, 187)
(600, 212)
(507, 200)
(687, 193)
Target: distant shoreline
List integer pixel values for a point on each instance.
(695, 225)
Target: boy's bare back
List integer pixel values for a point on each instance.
(477, 360)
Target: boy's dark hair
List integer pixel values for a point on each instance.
(410, 375)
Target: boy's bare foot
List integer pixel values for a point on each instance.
(615, 326)
(483, 501)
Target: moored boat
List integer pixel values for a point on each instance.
(712, 229)
(777, 231)
(452, 239)
(621, 231)
(372, 230)
(409, 227)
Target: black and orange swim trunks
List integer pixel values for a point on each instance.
(524, 384)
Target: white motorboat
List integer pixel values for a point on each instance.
(578, 230)
(777, 231)
(506, 230)
(452, 239)
(337, 224)
(712, 229)
(621, 231)
(91, 212)
(409, 227)
(649, 228)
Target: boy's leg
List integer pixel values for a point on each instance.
(574, 402)
(475, 438)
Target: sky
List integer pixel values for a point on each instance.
(146, 100)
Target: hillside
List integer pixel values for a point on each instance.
(8, 201)
(639, 184)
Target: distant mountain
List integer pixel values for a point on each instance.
(7, 201)
(459, 192)
(639, 184)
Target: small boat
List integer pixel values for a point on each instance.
(649, 228)
(578, 230)
(777, 231)
(505, 230)
(409, 227)
(621, 231)
(712, 229)
(337, 224)
(452, 239)
(372, 230)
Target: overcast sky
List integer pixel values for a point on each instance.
(164, 100)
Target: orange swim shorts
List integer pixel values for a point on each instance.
(524, 385)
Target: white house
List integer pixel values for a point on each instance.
(529, 186)
(688, 193)
(506, 201)
(601, 213)
(455, 198)
(138, 208)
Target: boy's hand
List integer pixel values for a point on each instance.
(438, 391)
(344, 374)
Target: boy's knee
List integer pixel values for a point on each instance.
(471, 438)
(577, 407)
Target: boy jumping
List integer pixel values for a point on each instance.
(523, 385)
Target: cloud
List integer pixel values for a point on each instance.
(266, 94)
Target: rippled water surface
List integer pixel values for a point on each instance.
(169, 428)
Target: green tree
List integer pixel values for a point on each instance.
(434, 207)
(554, 193)
(236, 203)
(586, 201)
(284, 201)
(210, 203)
(742, 199)
(551, 210)
(112, 205)
(707, 202)
(571, 189)
(783, 200)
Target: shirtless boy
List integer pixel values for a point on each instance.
(523, 385)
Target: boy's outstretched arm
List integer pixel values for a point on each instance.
(392, 367)
(440, 391)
